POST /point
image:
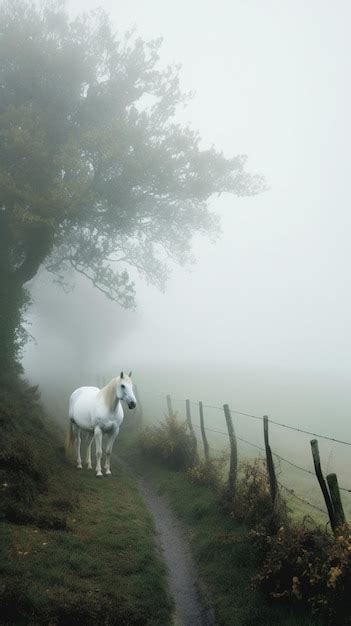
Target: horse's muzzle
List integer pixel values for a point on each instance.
(132, 405)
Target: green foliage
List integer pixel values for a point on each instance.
(95, 172)
(207, 473)
(72, 548)
(252, 503)
(308, 565)
(170, 443)
(14, 300)
(22, 476)
(93, 163)
(31, 461)
(225, 555)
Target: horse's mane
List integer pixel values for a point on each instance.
(109, 393)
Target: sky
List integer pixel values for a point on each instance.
(271, 80)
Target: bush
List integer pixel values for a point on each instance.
(207, 473)
(252, 502)
(170, 443)
(308, 565)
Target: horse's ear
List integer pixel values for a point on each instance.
(130, 373)
(121, 374)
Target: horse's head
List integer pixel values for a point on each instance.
(125, 390)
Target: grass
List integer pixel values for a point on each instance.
(225, 558)
(105, 562)
(74, 549)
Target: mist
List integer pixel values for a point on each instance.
(261, 319)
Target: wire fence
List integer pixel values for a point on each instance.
(282, 425)
(301, 499)
(261, 448)
(280, 458)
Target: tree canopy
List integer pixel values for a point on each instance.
(95, 171)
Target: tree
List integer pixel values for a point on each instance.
(95, 172)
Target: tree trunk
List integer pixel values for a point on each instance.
(13, 276)
(12, 302)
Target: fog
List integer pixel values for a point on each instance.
(261, 320)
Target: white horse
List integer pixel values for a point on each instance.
(99, 411)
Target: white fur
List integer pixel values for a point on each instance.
(99, 411)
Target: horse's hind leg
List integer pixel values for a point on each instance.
(90, 438)
(79, 458)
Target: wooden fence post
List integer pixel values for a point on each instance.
(322, 483)
(270, 464)
(336, 500)
(233, 468)
(203, 433)
(191, 429)
(170, 408)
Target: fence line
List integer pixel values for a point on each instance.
(257, 417)
(297, 497)
(303, 469)
(218, 408)
(254, 445)
(344, 489)
(331, 493)
(301, 499)
(221, 432)
(308, 432)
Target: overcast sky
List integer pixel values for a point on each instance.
(271, 80)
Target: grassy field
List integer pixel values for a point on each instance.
(103, 564)
(74, 549)
(225, 558)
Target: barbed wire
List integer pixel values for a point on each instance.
(292, 493)
(344, 489)
(308, 432)
(254, 445)
(218, 408)
(275, 423)
(303, 469)
(249, 443)
(257, 417)
(212, 430)
(287, 489)
(222, 451)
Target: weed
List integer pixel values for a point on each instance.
(307, 565)
(170, 443)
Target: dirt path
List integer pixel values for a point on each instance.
(176, 553)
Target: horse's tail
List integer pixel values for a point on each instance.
(70, 438)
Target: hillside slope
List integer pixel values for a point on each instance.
(73, 548)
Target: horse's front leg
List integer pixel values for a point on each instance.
(79, 458)
(98, 449)
(109, 446)
(89, 444)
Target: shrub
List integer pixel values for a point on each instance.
(170, 443)
(252, 502)
(207, 473)
(308, 565)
